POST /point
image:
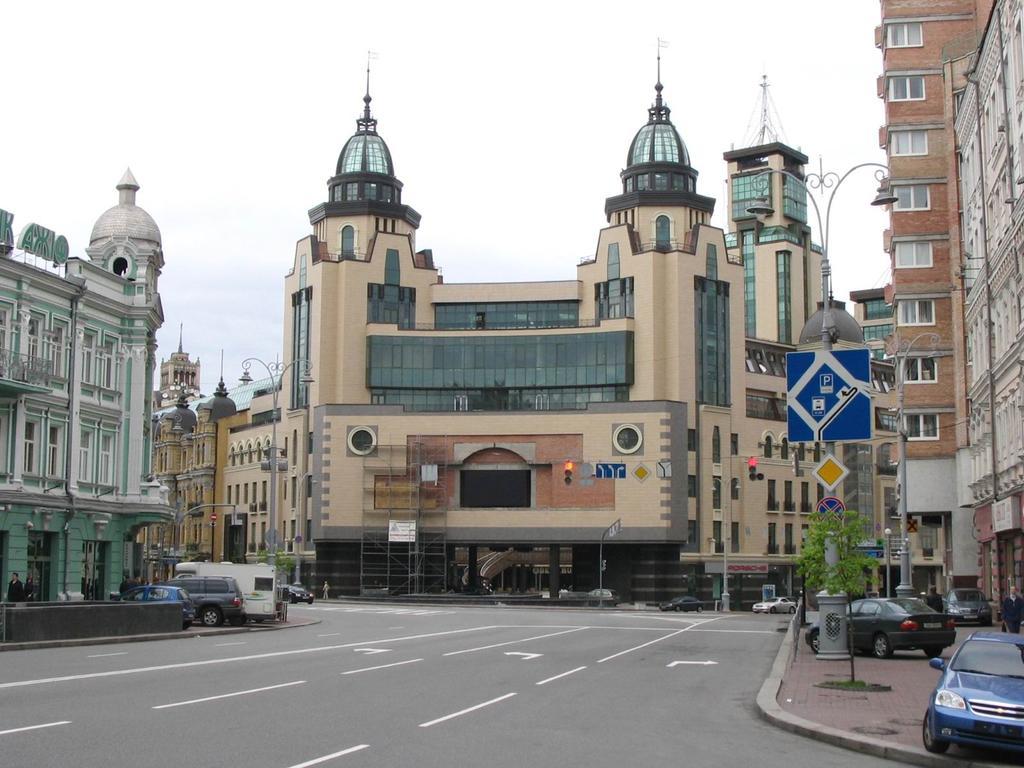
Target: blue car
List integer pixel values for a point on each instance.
(979, 699)
(165, 593)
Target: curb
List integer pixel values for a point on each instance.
(771, 711)
(217, 632)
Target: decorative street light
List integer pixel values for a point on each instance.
(888, 568)
(906, 587)
(826, 180)
(275, 369)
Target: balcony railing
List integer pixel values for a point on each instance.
(24, 368)
(789, 506)
(790, 549)
(805, 507)
(772, 549)
(773, 504)
(719, 548)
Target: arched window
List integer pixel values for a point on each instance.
(613, 261)
(716, 446)
(784, 449)
(711, 262)
(392, 271)
(348, 240)
(662, 233)
(801, 452)
(768, 446)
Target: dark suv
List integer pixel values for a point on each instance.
(215, 598)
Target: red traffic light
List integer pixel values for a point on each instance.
(752, 462)
(752, 469)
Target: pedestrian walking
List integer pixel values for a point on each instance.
(30, 589)
(934, 600)
(15, 589)
(327, 589)
(1013, 610)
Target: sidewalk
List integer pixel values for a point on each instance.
(884, 724)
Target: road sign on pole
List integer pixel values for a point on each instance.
(828, 395)
(830, 472)
(830, 505)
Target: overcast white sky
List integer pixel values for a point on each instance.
(500, 117)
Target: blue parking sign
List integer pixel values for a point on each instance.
(828, 395)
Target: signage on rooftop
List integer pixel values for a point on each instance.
(6, 228)
(43, 243)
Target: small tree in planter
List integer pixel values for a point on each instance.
(286, 565)
(848, 575)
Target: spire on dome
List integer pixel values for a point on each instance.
(366, 123)
(659, 113)
(127, 187)
(181, 327)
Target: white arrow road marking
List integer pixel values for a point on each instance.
(524, 655)
(371, 651)
(701, 663)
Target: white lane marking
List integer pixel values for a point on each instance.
(325, 758)
(394, 628)
(526, 656)
(372, 651)
(700, 663)
(652, 642)
(564, 674)
(35, 727)
(221, 645)
(229, 695)
(742, 631)
(467, 710)
(382, 666)
(335, 634)
(102, 655)
(513, 642)
(230, 659)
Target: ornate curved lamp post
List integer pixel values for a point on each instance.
(826, 181)
(906, 587)
(274, 369)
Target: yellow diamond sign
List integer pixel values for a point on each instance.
(830, 472)
(641, 473)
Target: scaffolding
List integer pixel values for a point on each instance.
(405, 509)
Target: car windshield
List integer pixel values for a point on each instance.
(908, 605)
(990, 658)
(969, 595)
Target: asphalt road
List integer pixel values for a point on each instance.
(410, 685)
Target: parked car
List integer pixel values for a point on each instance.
(979, 699)
(162, 593)
(968, 605)
(216, 599)
(602, 596)
(683, 603)
(776, 605)
(296, 593)
(882, 625)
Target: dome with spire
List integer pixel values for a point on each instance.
(125, 219)
(220, 405)
(365, 152)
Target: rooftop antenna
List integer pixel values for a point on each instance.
(769, 125)
(181, 327)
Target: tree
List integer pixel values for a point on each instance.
(285, 564)
(850, 573)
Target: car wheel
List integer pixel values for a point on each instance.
(815, 643)
(211, 616)
(881, 647)
(933, 652)
(699, 609)
(679, 608)
(936, 746)
(771, 610)
(792, 609)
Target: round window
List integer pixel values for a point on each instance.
(362, 441)
(628, 438)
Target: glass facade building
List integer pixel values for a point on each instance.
(507, 315)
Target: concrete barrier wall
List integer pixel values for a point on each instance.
(32, 622)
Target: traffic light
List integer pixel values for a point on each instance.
(568, 467)
(752, 469)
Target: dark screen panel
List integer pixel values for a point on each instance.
(495, 488)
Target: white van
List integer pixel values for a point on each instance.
(258, 583)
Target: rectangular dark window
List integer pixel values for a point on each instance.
(301, 318)
(734, 444)
(691, 439)
(787, 499)
(614, 298)
(691, 486)
(734, 537)
(773, 541)
(773, 500)
(711, 317)
(783, 294)
(749, 284)
(488, 488)
(391, 304)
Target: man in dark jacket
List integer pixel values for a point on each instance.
(1013, 609)
(15, 590)
(934, 600)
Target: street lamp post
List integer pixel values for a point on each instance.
(906, 587)
(275, 369)
(826, 180)
(888, 568)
